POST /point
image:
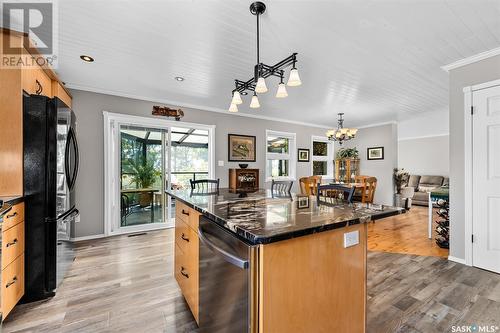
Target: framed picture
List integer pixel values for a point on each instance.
(302, 201)
(241, 148)
(375, 153)
(303, 155)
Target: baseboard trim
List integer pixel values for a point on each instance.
(78, 239)
(457, 260)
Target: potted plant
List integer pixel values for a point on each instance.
(144, 177)
(401, 177)
(347, 153)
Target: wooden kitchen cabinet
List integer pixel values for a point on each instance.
(13, 82)
(186, 258)
(12, 288)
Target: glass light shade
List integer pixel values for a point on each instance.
(354, 131)
(281, 93)
(236, 98)
(294, 78)
(330, 133)
(343, 130)
(233, 108)
(261, 86)
(337, 135)
(254, 104)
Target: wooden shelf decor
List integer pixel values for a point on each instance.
(244, 179)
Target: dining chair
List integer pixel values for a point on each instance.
(281, 186)
(325, 191)
(208, 186)
(309, 185)
(367, 191)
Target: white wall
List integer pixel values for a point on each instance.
(379, 136)
(425, 156)
(428, 124)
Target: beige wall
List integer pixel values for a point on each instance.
(479, 72)
(425, 156)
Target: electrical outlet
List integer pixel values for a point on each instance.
(77, 218)
(351, 238)
(221, 163)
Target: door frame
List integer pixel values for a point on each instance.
(468, 175)
(111, 202)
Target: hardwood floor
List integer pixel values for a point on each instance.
(406, 233)
(125, 284)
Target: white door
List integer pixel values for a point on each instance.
(486, 179)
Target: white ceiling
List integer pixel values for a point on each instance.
(376, 60)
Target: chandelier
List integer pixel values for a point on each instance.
(257, 84)
(341, 133)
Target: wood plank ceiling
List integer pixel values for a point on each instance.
(374, 60)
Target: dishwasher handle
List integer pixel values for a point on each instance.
(230, 258)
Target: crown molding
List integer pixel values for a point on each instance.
(192, 106)
(472, 59)
(392, 122)
(423, 137)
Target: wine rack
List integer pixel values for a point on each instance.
(443, 225)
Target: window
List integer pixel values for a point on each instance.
(322, 157)
(280, 155)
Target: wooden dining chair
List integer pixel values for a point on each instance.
(367, 191)
(309, 185)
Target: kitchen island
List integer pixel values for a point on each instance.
(260, 263)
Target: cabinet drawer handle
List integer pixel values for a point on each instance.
(14, 242)
(14, 280)
(39, 87)
(183, 273)
(184, 237)
(185, 213)
(11, 215)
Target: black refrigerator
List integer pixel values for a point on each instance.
(50, 171)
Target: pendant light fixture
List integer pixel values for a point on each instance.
(254, 104)
(341, 133)
(233, 108)
(257, 83)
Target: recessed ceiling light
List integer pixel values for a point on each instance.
(244, 93)
(87, 58)
(179, 78)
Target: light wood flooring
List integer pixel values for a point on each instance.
(406, 233)
(125, 284)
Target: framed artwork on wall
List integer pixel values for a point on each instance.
(303, 155)
(375, 153)
(241, 148)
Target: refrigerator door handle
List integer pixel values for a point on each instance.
(230, 258)
(71, 139)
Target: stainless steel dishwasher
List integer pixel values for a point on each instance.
(227, 281)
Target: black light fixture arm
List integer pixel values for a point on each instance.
(265, 72)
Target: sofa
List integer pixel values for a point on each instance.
(424, 184)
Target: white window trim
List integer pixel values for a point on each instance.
(328, 158)
(111, 122)
(291, 156)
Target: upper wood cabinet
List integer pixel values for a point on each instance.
(13, 81)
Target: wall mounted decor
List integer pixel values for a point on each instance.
(375, 153)
(167, 112)
(303, 155)
(241, 148)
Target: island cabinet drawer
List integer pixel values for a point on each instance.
(185, 237)
(12, 284)
(14, 216)
(12, 244)
(187, 214)
(186, 274)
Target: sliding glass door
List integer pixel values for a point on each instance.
(144, 158)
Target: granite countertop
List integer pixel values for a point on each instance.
(259, 218)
